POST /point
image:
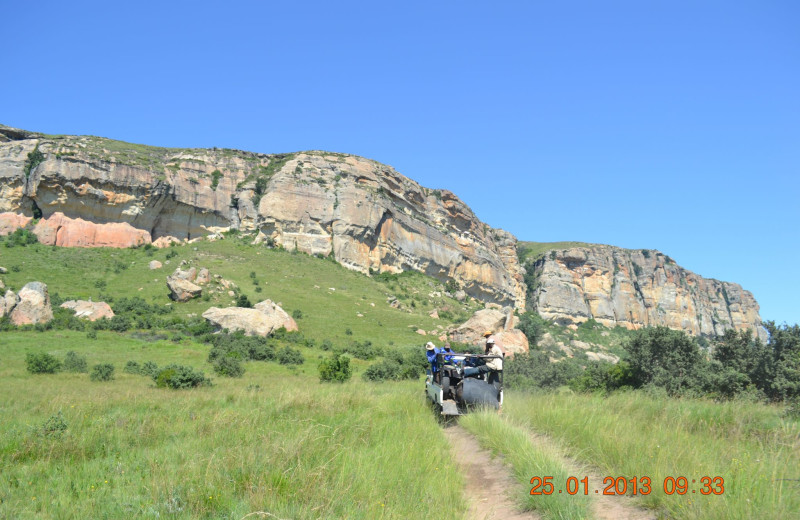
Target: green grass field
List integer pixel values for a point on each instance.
(278, 442)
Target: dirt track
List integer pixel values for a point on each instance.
(490, 485)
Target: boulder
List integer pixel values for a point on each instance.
(189, 275)
(3, 270)
(155, 264)
(261, 320)
(599, 356)
(512, 341)
(32, 305)
(162, 242)
(88, 310)
(460, 295)
(472, 330)
(7, 303)
(181, 290)
(203, 277)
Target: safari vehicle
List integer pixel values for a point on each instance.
(453, 393)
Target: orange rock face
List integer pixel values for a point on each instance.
(63, 231)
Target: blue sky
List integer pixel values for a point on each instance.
(665, 125)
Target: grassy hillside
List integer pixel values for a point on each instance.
(332, 299)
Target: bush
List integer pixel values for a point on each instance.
(229, 366)
(75, 363)
(21, 237)
(363, 350)
(42, 363)
(335, 369)
(533, 326)
(290, 356)
(603, 377)
(243, 301)
(668, 359)
(132, 367)
(149, 369)
(297, 314)
(180, 377)
(102, 372)
(534, 370)
(384, 370)
(91, 334)
(54, 426)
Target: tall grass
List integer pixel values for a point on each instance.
(528, 460)
(274, 441)
(751, 446)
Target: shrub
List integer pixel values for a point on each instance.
(363, 350)
(533, 326)
(91, 334)
(55, 425)
(180, 377)
(102, 372)
(132, 367)
(75, 363)
(666, 358)
(534, 370)
(243, 301)
(603, 377)
(229, 366)
(149, 369)
(384, 370)
(297, 314)
(335, 369)
(290, 356)
(42, 363)
(21, 237)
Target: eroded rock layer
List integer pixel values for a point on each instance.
(89, 191)
(637, 288)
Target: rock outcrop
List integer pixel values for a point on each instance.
(261, 320)
(30, 306)
(500, 322)
(635, 289)
(181, 285)
(88, 310)
(89, 191)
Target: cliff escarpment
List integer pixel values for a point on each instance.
(88, 191)
(635, 289)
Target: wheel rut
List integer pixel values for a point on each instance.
(490, 483)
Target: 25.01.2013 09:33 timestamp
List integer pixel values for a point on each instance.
(634, 486)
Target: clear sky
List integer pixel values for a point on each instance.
(672, 125)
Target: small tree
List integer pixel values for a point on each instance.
(75, 363)
(42, 363)
(102, 372)
(335, 369)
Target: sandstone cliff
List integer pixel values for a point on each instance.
(634, 289)
(89, 191)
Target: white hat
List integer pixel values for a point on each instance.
(490, 341)
(430, 346)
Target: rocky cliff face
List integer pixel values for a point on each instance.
(634, 289)
(88, 191)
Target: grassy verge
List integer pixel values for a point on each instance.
(750, 446)
(275, 441)
(527, 461)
